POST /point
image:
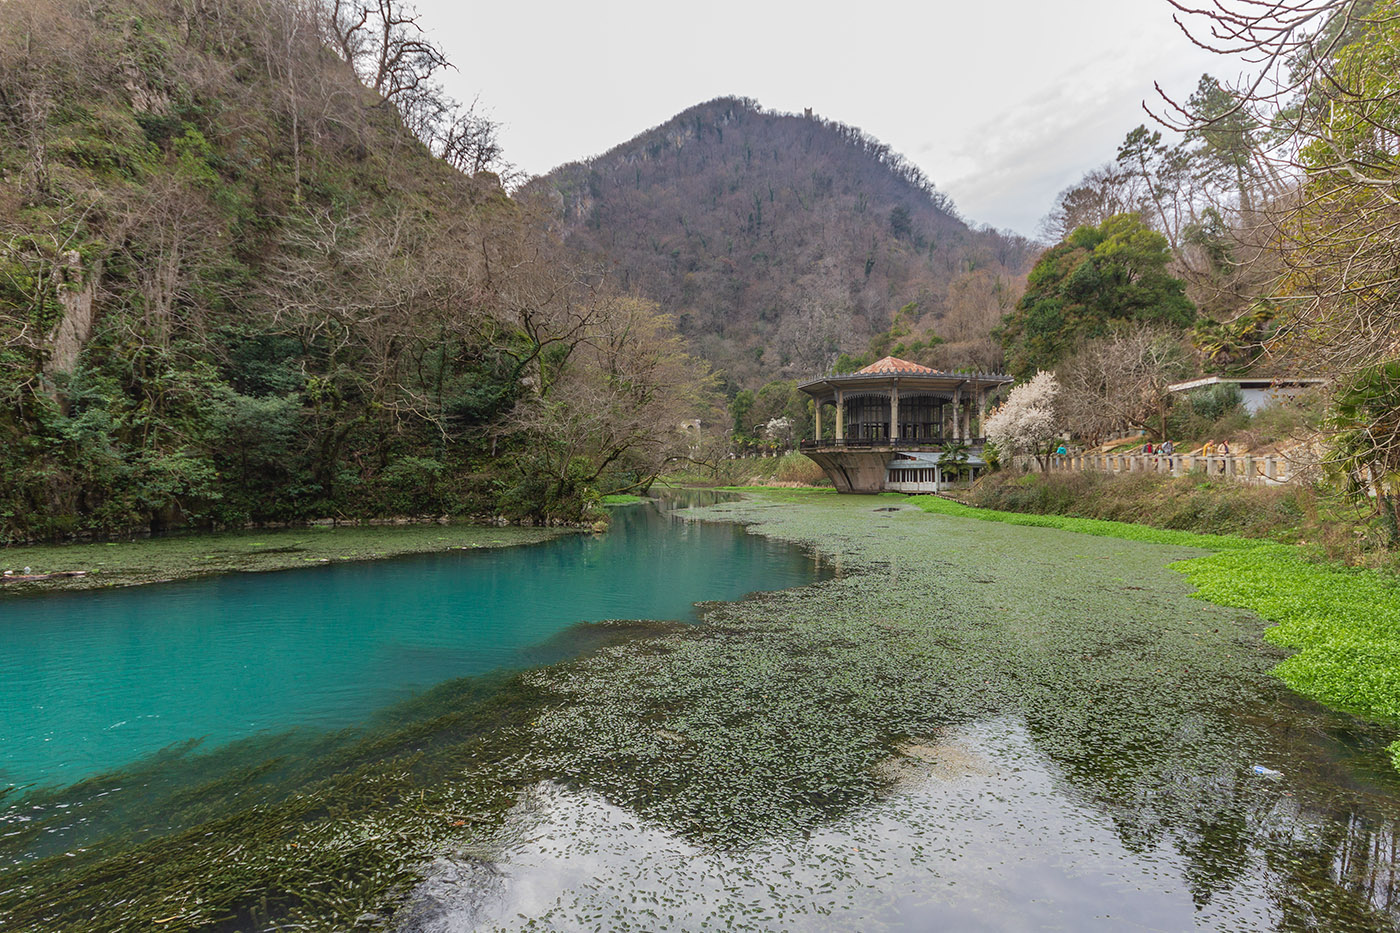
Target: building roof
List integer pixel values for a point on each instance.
(909, 377)
(1263, 382)
(921, 459)
(891, 364)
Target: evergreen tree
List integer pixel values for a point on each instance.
(1096, 277)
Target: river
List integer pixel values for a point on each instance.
(94, 681)
(971, 726)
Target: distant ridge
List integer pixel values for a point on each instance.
(780, 240)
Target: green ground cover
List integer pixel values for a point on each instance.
(1344, 622)
(1088, 526)
(622, 499)
(176, 557)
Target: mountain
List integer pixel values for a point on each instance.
(780, 240)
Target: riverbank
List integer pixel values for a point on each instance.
(969, 721)
(1327, 527)
(179, 557)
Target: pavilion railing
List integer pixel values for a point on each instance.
(865, 443)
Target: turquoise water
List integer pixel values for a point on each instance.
(91, 682)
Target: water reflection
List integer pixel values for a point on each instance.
(983, 832)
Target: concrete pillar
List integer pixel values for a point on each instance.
(818, 438)
(1249, 468)
(894, 413)
(1271, 468)
(957, 414)
(840, 415)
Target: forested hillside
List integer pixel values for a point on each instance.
(1258, 239)
(780, 241)
(248, 274)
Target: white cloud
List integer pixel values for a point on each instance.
(1002, 105)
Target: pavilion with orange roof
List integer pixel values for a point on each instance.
(891, 412)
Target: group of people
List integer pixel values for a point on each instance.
(1211, 449)
(1167, 448)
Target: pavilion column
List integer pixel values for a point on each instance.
(840, 415)
(981, 402)
(894, 412)
(957, 414)
(818, 438)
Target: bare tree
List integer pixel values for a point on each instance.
(1120, 382)
(1102, 192)
(383, 42)
(470, 141)
(1323, 78)
(623, 395)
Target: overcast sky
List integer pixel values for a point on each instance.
(1002, 104)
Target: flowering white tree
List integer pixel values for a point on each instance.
(1026, 423)
(779, 429)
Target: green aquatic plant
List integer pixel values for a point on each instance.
(313, 832)
(1344, 622)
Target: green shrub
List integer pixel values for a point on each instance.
(1213, 402)
(794, 467)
